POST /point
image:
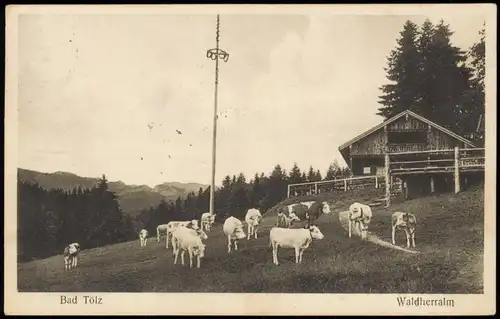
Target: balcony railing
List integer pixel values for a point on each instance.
(406, 147)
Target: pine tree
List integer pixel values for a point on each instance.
(317, 176)
(333, 171)
(474, 107)
(241, 179)
(295, 175)
(226, 183)
(451, 79)
(403, 73)
(311, 175)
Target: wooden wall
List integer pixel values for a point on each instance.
(375, 143)
(403, 124)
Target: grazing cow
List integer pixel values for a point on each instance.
(360, 215)
(171, 226)
(406, 222)
(233, 229)
(316, 210)
(143, 237)
(71, 256)
(185, 239)
(299, 239)
(252, 218)
(207, 220)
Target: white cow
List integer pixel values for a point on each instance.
(252, 218)
(186, 239)
(233, 229)
(406, 222)
(143, 237)
(193, 224)
(71, 256)
(299, 239)
(207, 220)
(198, 232)
(161, 230)
(360, 215)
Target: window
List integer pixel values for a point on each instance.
(413, 137)
(366, 170)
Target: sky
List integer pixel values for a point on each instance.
(106, 94)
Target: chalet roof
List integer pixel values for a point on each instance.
(394, 118)
(480, 124)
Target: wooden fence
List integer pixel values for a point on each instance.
(336, 185)
(453, 161)
(438, 161)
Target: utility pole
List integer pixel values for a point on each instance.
(215, 54)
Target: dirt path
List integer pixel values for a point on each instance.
(343, 217)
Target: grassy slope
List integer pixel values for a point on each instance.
(449, 235)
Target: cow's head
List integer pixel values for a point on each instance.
(326, 208)
(194, 224)
(239, 233)
(406, 217)
(315, 232)
(211, 219)
(201, 234)
(255, 220)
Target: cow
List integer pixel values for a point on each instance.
(360, 215)
(143, 237)
(186, 239)
(171, 226)
(71, 256)
(288, 214)
(252, 218)
(206, 221)
(160, 230)
(285, 219)
(299, 239)
(198, 232)
(316, 210)
(309, 211)
(406, 222)
(233, 229)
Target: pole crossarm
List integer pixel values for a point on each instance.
(217, 53)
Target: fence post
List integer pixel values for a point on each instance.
(316, 188)
(288, 191)
(345, 185)
(387, 181)
(457, 172)
(376, 181)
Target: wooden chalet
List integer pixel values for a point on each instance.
(408, 145)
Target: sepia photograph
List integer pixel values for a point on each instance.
(320, 151)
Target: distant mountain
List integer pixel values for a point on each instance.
(132, 198)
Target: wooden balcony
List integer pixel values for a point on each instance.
(407, 147)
